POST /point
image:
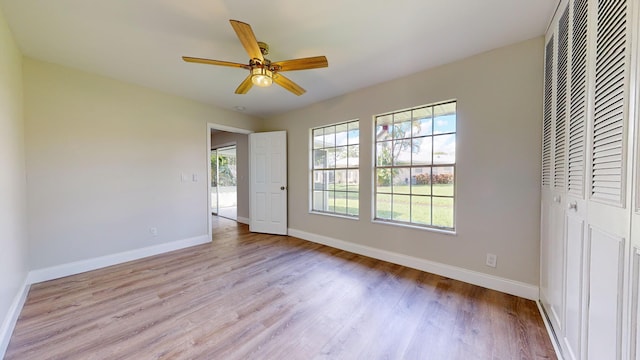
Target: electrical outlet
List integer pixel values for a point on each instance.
(153, 231)
(492, 260)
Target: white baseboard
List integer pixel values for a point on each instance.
(11, 318)
(243, 220)
(504, 285)
(77, 267)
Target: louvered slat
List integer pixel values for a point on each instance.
(547, 123)
(608, 123)
(577, 119)
(561, 102)
(609, 129)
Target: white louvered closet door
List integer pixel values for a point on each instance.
(573, 337)
(608, 219)
(551, 245)
(546, 235)
(558, 249)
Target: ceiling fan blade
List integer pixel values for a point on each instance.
(248, 39)
(302, 64)
(214, 62)
(288, 84)
(245, 85)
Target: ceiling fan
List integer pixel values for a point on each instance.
(263, 72)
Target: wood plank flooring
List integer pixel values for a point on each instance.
(257, 296)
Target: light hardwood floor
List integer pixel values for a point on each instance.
(256, 296)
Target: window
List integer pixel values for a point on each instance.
(415, 166)
(335, 178)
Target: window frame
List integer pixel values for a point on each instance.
(348, 168)
(431, 165)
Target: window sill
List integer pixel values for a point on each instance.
(410, 226)
(334, 215)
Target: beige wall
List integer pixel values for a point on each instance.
(105, 161)
(242, 153)
(13, 234)
(499, 96)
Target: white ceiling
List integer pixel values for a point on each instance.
(366, 41)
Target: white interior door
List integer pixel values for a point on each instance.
(268, 182)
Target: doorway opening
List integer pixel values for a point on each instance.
(224, 185)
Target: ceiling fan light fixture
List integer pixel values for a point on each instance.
(261, 76)
(262, 72)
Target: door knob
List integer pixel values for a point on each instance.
(281, 187)
(573, 205)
